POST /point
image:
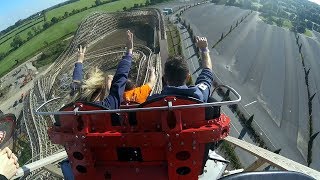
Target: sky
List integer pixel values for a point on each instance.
(315, 1)
(13, 10)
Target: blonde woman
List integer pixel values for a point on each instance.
(95, 87)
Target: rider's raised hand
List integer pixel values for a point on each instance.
(81, 53)
(202, 43)
(129, 42)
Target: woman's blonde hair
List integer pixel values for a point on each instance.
(92, 87)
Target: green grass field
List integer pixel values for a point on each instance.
(308, 33)
(5, 46)
(287, 24)
(13, 30)
(69, 7)
(57, 32)
(20, 28)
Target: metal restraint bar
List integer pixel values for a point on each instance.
(161, 108)
(27, 169)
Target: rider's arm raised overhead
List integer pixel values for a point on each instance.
(113, 100)
(78, 71)
(152, 78)
(205, 80)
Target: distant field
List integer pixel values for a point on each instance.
(22, 32)
(13, 30)
(69, 7)
(19, 29)
(23, 29)
(57, 32)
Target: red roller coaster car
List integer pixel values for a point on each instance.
(166, 138)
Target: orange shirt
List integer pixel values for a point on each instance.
(139, 94)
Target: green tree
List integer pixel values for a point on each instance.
(44, 15)
(2, 55)
(231, 2)
(46, 25)
(34, 29)
(16, 42)
(66, 14)
(98, 2)
(54, 20)
(30, 35)
(279, 22)
(124, 8)
(301, 29)
(309, 25)
(269, 20)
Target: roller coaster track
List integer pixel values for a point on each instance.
(93, 28)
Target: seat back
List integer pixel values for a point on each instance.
(153, 144)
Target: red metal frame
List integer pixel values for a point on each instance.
(171, 143)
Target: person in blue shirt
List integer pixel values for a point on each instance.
(94, 88)
(176, 76)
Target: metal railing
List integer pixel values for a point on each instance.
(169, 107)
(265, 156)
(29, 168)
